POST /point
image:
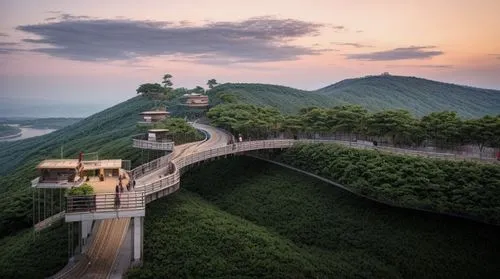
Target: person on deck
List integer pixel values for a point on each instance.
(121, 186)
(117, 196)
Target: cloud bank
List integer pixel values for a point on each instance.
(441, 66)
(260, 39)
(411, 52)
(356, 45)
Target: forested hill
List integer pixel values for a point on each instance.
(419, 96)
(415, 95)
(286, 99)
(102, 131)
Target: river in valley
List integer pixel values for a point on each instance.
(27, 132)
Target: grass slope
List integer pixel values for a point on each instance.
(419, 96)
(247, 217)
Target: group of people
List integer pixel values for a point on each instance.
(119, 188)
(231, 141)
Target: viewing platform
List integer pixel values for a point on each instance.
(196, 100)
(58, 173)
(105, 206)
(156, 139)
(104, 177)
(151, 117)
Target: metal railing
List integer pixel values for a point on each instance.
(180, 163)
(38, 182)
(412, 152)
(163, 183)
(105, 202)
(151, 166)
(154, 145)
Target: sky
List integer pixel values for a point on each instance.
(98, 52)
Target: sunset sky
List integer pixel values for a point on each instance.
(100, 51)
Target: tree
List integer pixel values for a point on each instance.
(443, 128)
(292, 124)
(167, 83)
(149, 89)
(198, 89)
(396, 124)
(482, 132)
(250, 120)
(212, 83)
(349, 119)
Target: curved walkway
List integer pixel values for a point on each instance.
(166, 179)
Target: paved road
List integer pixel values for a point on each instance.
(217, 138)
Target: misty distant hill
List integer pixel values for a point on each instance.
(417, 95)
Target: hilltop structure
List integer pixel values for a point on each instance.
(154, 116)
(195, 100)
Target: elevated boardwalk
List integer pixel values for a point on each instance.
(161, 177)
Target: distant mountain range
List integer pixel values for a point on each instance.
(417, 95)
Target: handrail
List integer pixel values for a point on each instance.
(105, 202)
(151, 166)
(155, 145)
(180, 163)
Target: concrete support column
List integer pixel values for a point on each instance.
(86, 228)
(137, 237)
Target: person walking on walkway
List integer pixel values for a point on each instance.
(117, 196)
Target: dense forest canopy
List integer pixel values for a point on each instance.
(241, 218)
(467, 189)
(178, 130)
(442, 129)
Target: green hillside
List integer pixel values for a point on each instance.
(419, 96)
(108, 132)
(243, 218)
(286, 99)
